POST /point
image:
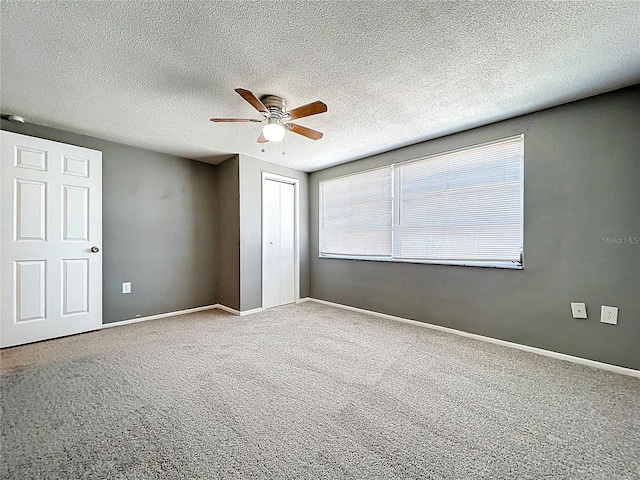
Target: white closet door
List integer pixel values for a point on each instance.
(287, 243)
(278, 243)
(271, 239)
(51, 212)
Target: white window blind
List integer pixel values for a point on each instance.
(461, 207)
(355, 215)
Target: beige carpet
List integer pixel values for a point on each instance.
(308, 391)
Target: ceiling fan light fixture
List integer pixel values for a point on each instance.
(273, 130)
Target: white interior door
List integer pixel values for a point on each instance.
(51, 212)
(279, 242)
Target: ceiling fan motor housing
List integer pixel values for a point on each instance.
(275, 105)
(272, 101)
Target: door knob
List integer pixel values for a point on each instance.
(95, 249)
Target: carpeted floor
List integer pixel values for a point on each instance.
(308, 392)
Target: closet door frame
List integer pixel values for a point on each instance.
(267, 176)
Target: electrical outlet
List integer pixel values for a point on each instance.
(609, 315)
(126, 287)
(579, 310)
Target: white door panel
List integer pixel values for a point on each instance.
(51, 212)
(287, 237)
(75, 213)
(30, 286)
(31, 205)
(271, 277)
(75, 286)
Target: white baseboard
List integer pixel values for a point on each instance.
(504, 343)
(305, 299)
(159, 316)
(240, 313)
(182, 312)
(227, 309)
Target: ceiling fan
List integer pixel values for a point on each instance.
(277, 119)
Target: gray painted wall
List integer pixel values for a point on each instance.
(251, 228)
(582, 184)
(159, 228)
(228, 239)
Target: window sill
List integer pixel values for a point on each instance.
(459, 263)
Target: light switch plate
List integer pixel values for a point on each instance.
(609, 315)
(579, 310)
(126, 287)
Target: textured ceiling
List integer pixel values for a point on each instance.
(151, 74)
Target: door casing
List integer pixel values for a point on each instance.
(267, 176)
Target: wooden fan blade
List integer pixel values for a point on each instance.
(304, 131)
(307, 110)
(261, 139)
(235, 120)
(253, 100)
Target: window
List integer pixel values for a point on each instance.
(356, 215)
(461, 207)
